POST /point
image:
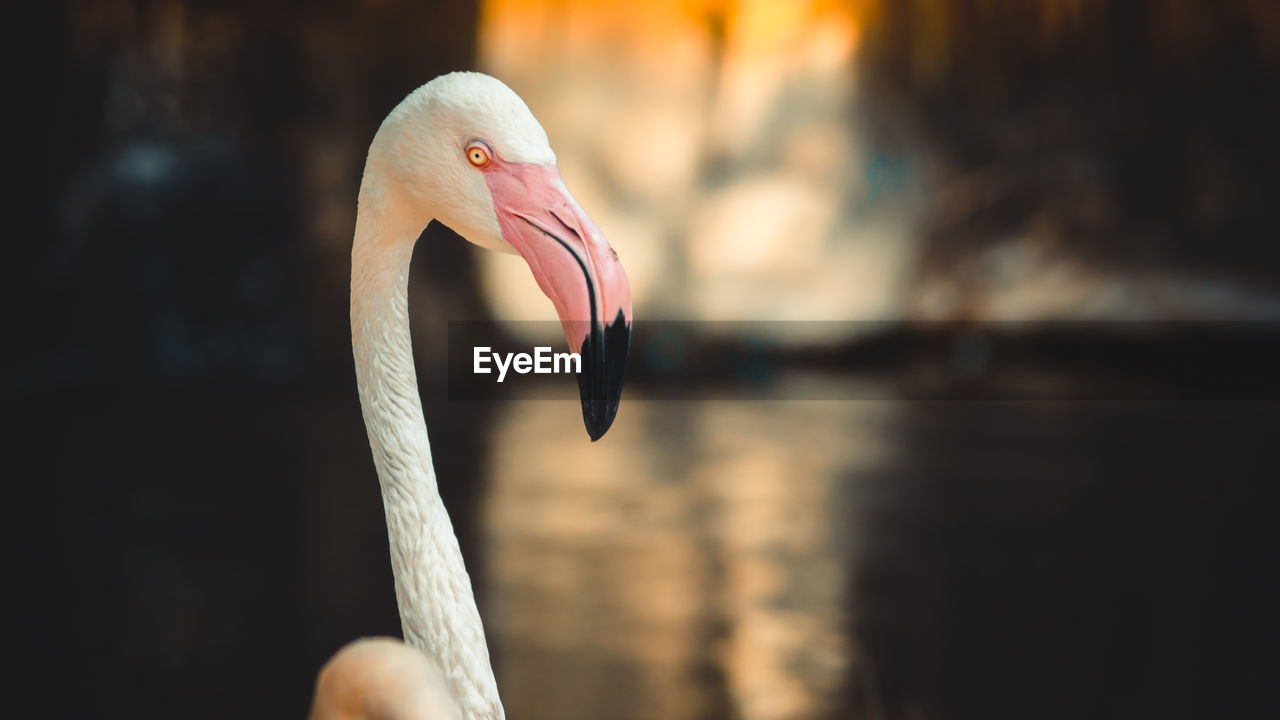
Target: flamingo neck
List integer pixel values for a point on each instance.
(437, 606)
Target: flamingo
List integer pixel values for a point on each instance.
(465, 150)
(385, 679)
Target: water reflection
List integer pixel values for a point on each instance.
(830, 559)
(692, 562)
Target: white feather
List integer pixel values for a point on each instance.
(421, 147)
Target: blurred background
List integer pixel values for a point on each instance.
(1006, 452)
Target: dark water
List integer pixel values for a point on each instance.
(206, 551)
(787, 559)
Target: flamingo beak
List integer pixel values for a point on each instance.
(578, 270)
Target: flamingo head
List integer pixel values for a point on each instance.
(468, 152)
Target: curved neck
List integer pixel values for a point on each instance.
(437, 607)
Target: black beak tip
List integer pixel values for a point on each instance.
(604, 362)
(597, 430)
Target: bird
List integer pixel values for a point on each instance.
(465, 150)
(382, 678)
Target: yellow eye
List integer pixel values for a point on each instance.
(478, 154)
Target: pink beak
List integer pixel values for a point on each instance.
(575, 266)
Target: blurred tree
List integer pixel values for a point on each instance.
(186, 370)
(1135, 136)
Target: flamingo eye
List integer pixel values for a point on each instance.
(478, 154)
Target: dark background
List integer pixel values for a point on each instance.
(194, 495)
